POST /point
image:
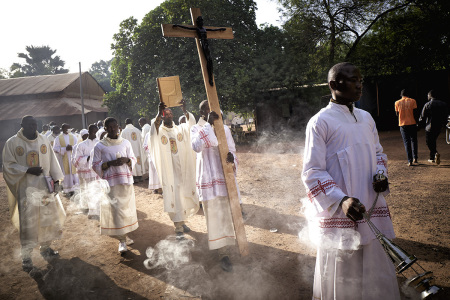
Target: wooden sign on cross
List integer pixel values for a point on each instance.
(169, 30)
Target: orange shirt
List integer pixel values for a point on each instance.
(405, 108)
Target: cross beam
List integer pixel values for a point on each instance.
(170, 31)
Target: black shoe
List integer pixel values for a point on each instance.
(225, 264)
(186, 228)
(180, 236)
(49, 254)
(27, 265)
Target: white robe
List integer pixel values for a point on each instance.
(211, 184)
(153, 180)
(38, 215)
(133, 135)
(341, 157)
(174, 159)
(118, 213)
(71, 182)
(145, 130)
(86, 176)
(99, 132)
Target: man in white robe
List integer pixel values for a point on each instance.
(29, 163)
(342, 154)
(153, 179)
(45, 129)
(62, 146)
(113, 160)
(101, 130)
(54, 133)
(133, 135)
(145, 129)
(211, 185)
(87, 198)
(170, 150)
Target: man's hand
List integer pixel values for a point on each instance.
(69, 148)
(118, 162)
(35, 171)
(353, 209)
(183, 106)
(380, 185)
(230, 158)
(161, 108)
(212, 116)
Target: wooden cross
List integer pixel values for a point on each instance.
(170, 31)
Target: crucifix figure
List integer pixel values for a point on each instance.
(203, 37)
(199, 32)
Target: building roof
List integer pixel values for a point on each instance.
(40, 108)
(36, 84)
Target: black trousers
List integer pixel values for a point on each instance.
(431, 138)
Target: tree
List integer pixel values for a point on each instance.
(336, 27)
(101, 71)
(3, 73)
(39, 61)
(409, 40)
(141, 54)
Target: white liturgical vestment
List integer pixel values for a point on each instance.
(174, 159)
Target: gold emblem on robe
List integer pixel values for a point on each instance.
(20, 151)
(133, 136)
(173, 146)
(43, 149)
(33, 159)
(180, 137)
(164, 140)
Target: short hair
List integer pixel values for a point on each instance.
(200, 106)
(128, 121)
(335, 71)
(435, 94)
(404, 93)
(108, 120)
(52, 123)
(26, 118)
(91, 127)
(143, 120)
(99, 123)
(55, 128)
(65, 124)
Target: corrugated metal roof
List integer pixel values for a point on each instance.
(48, 108)
(36, 84)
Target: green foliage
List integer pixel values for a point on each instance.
(3, 73)
(39, 61)
(411, 40)
(101, 71)
(330, 31)
(142, 54)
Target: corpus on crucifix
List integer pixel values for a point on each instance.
(202, 34)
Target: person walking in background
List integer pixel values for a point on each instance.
(134, 136)
(63, 148)
(342, 154)
(405, 110)
(435, 115)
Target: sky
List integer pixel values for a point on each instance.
(79, 31)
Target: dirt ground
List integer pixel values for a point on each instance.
(280, 264)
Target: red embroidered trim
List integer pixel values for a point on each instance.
(208, 185)
(379, 212)
(205, 139)
(320, 188)
(381, 161)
